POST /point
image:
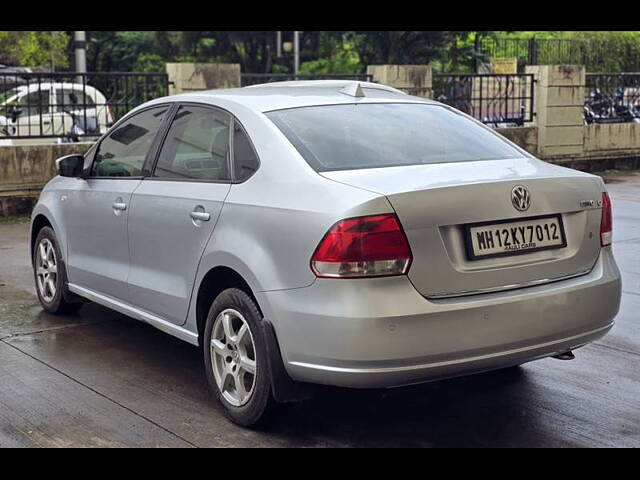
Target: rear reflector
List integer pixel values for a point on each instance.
(371, 246)
(606, 222)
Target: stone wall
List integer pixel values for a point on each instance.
(525, 137)
(190, 77)
(25, 169)
(412, 79)
(559, 99)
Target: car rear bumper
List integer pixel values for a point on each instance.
(382, 332)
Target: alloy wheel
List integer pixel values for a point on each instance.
(46, 270)
(233, 357)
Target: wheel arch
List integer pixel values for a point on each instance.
(38, 223)
(216, 280)
(221, 277)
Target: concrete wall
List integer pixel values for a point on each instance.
(557, 135)
(412, 79)
(189, 77)
(614, 138)
(563, 137)
(525, 137)
(559, 98)
(25, 169)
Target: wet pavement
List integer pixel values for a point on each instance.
(98, 378)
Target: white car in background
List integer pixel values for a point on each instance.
(50, 109)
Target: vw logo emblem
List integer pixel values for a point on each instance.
(520, 198)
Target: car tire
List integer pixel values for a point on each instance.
(231, 351)
(50, 274)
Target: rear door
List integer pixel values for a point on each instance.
(174, 211)
(97, 208)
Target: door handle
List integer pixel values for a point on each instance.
(200, 216)
(120, 206)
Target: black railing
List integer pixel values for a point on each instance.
(71, 105)
(498, 100)
(558, 51)
(247, 79)
(536, 51)
(612, 98)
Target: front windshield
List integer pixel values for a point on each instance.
(371, 135)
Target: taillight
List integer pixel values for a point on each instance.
(371, 246)
(606, 222)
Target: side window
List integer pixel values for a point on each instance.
(122, 152)
(196, 147)
(67, 99)
(245, 161)
(34, 103)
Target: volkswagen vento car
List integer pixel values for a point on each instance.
(328, 232)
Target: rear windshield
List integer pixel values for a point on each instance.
(345, 137)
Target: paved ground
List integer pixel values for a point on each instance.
(101, 379)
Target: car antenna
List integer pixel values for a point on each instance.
(353, 89)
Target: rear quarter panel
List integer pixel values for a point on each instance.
(271, 224)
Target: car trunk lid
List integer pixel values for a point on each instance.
(434, 203)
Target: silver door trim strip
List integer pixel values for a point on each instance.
(503, 288)
(130, 311)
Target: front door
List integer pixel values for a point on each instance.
(173, 212)
(34, 114)
(74, 106)
(98, 207)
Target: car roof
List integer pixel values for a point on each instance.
(48, 85)
(292, 94)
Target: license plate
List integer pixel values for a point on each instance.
(514, 237)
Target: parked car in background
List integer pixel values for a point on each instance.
(328, 232)
(63, 110)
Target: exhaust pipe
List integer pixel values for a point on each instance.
(568, 355)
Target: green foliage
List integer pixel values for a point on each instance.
(400, 47)
(15, 219)
(34, 49)
(321, 52)
(610, 51)
(335, 58)
(150, 63)
(118, 51)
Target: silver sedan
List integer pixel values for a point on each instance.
(331, 232)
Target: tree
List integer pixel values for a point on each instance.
(400, 47)
(34, 49)
(118, 51)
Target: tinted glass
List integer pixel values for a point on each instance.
(68, 99)
(196, 147)
(245, 161)
(341, 137)
(34, 103)
(122, 153)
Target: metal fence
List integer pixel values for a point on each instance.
(247, 79)
(612, 98)
(557, 51)
(71, 105)
(536, 51)
(499, 100)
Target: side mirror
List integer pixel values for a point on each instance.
(70, 165)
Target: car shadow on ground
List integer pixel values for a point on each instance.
(492, 408)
